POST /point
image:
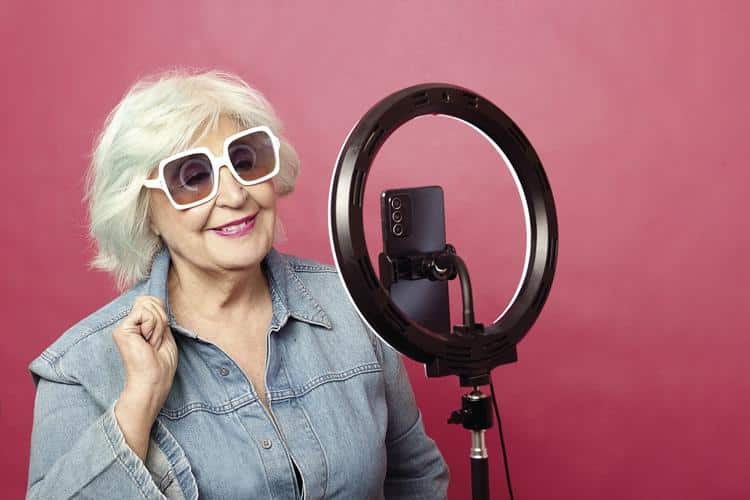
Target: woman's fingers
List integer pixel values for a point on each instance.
(148, 319)
(164, 322)
(159, 321)
(162, 312)
(142, 321)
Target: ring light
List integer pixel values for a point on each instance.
(443, 353)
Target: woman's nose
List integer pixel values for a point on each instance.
(231, 192)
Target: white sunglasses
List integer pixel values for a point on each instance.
(191, 177)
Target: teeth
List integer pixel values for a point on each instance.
(234, 229)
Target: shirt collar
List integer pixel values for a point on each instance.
(289, 295)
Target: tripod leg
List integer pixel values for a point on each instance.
(480, 479)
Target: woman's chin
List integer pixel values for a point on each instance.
(235, 254)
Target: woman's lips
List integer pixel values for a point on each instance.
(236, 230)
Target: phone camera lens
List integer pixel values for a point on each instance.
(397, 216)
(398, 230)
(396, 203)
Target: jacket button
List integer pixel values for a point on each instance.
(266, 443)
(224, 371)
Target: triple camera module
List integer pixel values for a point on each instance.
(398, 207)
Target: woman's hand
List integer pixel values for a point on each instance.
(148, 351)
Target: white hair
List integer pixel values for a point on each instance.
(160, 115)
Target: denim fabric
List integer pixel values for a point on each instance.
(343, 412)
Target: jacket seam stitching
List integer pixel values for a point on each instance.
(223, 409)
(300, 265)
(333, 377)
(274, 396)
(406, 432)
(301, 287)
(50, 355)
(312, 269)
(322, 448)
(276, 297)
(97, 328)
(120, 461)
(57, 363)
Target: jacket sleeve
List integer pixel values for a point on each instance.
(78, 449)
(416, 468)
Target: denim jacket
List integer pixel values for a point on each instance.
(343, 422)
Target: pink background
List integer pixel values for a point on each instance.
(632, 382)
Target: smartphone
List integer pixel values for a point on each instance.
(413, 221)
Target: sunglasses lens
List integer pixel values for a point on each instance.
(189, 179)
(253, 155)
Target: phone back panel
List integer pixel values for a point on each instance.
(420, 213)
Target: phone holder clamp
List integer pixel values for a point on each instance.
(435, 266)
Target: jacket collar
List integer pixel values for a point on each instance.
(289, 295)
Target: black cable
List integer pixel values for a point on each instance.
(502, 441)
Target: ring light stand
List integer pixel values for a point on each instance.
(471, 350)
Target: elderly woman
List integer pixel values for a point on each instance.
(226, 369)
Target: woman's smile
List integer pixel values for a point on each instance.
(237, 228)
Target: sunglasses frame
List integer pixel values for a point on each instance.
(216, 163)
